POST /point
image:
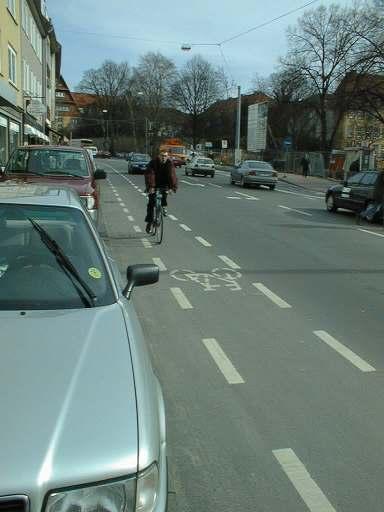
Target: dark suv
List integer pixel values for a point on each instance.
(354, 194)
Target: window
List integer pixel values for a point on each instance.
(12, 76)
(3, 140)
(11, 4)
(369, 178)
(25, 79)
(24, 14)
(14, 130)
(60, 94)
(62, 108)
(354, 180)
(0, 52)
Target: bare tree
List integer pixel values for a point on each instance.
(197, 87)
(109, 83)
(153, 79)
(322, 49)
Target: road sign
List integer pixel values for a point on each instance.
(224, 144)
(208, 145)
(36, 108)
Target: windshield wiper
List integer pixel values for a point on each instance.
(89, 298)
(17, 171)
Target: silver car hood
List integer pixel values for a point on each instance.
(67, 399)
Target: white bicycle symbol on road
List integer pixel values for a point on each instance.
(210, 281)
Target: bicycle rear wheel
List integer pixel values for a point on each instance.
(159, 226)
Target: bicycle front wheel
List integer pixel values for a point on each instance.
(159, 226)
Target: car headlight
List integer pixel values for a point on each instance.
(147, 489)
(111, 497)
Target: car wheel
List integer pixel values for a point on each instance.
(231, 180)
(330, 201)
(186, 173)
(213, 175)
(272, 187)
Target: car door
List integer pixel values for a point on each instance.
(346, 200)
(363, 192)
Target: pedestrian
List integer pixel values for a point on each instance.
(354, 168)
(160, 174)
(305, 166)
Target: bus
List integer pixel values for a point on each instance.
(176, 150)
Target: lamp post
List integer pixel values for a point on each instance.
(106, 134)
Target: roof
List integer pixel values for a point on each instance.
(52, 147)
(38, 194)
(83, 99)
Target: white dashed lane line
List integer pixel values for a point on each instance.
(186, 228)
(130, 218)
(203, 241)
(233, 197)
(181, 298)
(344, 351)
(126, 210)
(137, 229)
(160, 264)
(229, 262)
(302, 481)
(371, 232)
(247, 196)
(224, 364)
(172, 217)
(214, 185)
(272, 296)
(294, 210)
(298, 194)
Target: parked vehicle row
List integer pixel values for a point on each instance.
(74, 366)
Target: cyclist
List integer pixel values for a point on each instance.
(160, 174)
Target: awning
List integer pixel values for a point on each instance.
(30, 130)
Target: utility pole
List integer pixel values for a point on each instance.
(238, 123)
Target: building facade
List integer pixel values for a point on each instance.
(67, 111)
(29, 63)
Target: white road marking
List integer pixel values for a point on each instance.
(147, 244)
(160, 264)
(371, 232)
(172, 217)
(298, 194)
(137, 229)
(294, 210)
(232, 197)
(122, 204)
(193, 184)
(186, 228)
(229, 262)
(272, 296)
(224, 364)
(344, 351)
(126, 210)
(130, 218)
(144, 194)
(214, 185)
(203, 241)
(304, 484)
(181, 298)
(252, 198)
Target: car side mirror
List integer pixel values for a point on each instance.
(140, 275)
(100, 174)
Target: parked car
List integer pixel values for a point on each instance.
(137, 163)
(75, 371)
(57, 165)
(355, 194)
(200, 165)
(103, 154)
(254, 172)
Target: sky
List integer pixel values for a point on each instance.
(121, 25)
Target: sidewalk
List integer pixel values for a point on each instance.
(313, 183)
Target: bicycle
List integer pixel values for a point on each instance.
(158, 218)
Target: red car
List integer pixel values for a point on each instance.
(177, 161)
(62, 165)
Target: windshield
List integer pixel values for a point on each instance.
(206, 161)
(48, 162)
(141, 158)
(260, 165)
(30, 275)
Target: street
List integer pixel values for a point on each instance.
(266, 333)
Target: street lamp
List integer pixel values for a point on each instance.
(106, 134)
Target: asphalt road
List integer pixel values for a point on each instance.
(266, 333)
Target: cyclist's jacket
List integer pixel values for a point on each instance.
(160, 175)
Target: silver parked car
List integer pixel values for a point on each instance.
(82, 414)
(200, 165)
(254, 172)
